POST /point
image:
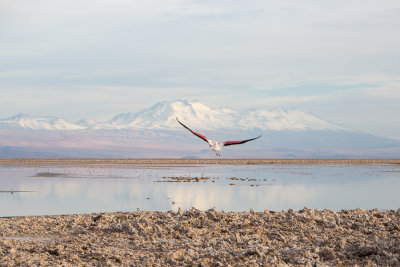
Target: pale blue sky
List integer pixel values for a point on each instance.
(93, 59)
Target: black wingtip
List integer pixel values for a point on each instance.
(257, 137)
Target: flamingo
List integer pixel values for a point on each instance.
(215, 145)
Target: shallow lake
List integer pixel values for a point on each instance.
(57, 189)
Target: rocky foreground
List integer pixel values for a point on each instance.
(204, 238)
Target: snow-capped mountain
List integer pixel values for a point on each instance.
(162, 116)
(154, 132)
(199, 116)
(281, 119)
(38, 123)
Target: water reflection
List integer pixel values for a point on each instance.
(61, 190)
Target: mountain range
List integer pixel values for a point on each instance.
(154, 132)
(162, 116)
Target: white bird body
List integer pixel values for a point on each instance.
(215, 145)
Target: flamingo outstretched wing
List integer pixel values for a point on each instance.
(193, 132)
(230, 143)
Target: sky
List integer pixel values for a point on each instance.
(339, 59)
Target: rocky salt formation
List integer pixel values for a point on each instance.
(205, 238)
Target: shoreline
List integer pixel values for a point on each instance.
(206, 238)
(223, 161)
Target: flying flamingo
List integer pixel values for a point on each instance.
(215, 145)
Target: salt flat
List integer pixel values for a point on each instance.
(122, 212)
(204, 238)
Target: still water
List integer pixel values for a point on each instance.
(57, 189)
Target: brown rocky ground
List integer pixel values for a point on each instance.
(204, 238)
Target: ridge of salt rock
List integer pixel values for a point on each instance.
(207, 238)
